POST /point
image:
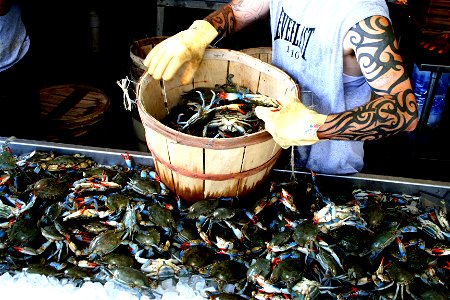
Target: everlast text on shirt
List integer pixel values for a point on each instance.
(290, 30)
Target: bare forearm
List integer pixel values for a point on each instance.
(236, 15)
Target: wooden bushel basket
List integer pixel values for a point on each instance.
(261, 53)
(197, 168)
(138, 51)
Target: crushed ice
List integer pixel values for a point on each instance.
(24, 285)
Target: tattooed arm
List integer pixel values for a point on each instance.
(394, 109)
(236, 15)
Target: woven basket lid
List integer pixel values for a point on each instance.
(72, 106)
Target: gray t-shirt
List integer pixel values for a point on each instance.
(14, 40)
(308, 45)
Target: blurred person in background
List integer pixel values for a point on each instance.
(345, 52)
(19, 94)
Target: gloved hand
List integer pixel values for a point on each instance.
(292, 124)
(187, 46)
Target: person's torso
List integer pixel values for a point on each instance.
(307, 37)
(308, 44)
(14, 40)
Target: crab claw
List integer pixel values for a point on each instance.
(447, 265)
(222, 95)
(236, 107)
(127, 159)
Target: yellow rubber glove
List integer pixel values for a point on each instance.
(293, 124)
(186, 47)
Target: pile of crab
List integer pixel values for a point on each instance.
(219, 112)
(69, 217)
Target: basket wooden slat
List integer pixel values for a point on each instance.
(158, 143)
(215, 164)
(262, 53)
(211, 71)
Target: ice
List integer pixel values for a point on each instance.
(68, 288)
(185, 291)
(110, 288)
(92, 290)
(184, 279)
(6, 278)
(204, 292)
(125, 295)
(29, 286)
(170, 296)
(197, 282)
(53, 281)
(229, 288)
(168, 285)
(34, 279)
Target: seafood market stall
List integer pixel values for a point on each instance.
(300, 236)
(108, 156)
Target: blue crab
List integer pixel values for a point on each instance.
(94, 184)
(132, 278)
(385, 238)
(160, 268)
(161, 217)
(393, 274)
(23, 231)
(7, 159)
(288, 271)
(202, 111)
(105, 243)
(49, 188)
(197, 257)
(35, 159)
(148, 184)
(225, 272)
(68, 162)
(260, 266)
(307, 289)
(116, 260)
(52, 235)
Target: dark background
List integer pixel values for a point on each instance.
(64, 52)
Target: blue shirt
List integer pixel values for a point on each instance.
(14, 40)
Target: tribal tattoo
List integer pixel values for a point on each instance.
(223, 21)
(394, 110)
(237, 14)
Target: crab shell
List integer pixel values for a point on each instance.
(7, 161)
(197, 257)
(105, 243)
(289, 271)
(228, 271)
(49, 188)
